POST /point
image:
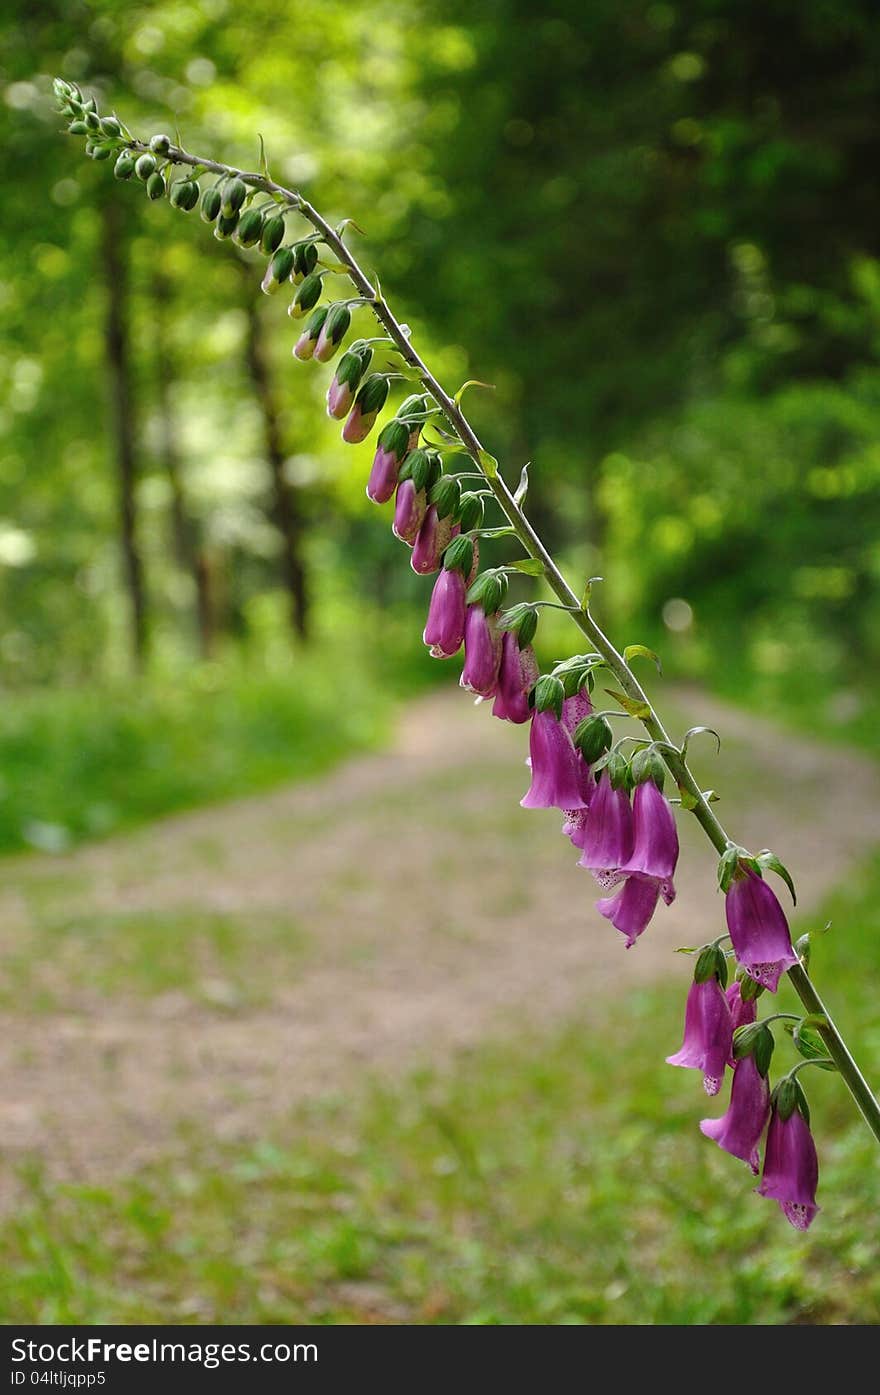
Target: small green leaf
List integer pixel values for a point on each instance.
(505, 531)
(588, 591)
(488, 464)
(349, 223)
(529, 566)
(688, 801)
(769, 861)
(641, 651)
(264, 165)
(630, 705)
(698, 731)
(522, 488)
(471, 382)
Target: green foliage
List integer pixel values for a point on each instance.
(549, 1179)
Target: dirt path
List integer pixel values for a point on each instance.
(211, 970)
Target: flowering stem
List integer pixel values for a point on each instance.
(450, 408)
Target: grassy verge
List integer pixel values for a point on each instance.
(557, 1179)
(82, 763)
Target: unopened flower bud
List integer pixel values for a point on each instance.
(482, 652)
(124, 167)
(306, 298)
(470, 512)
(278, 270)
(184, 194)
(233, 195)
(250, 228)
(517, 675)
(145, 165)
(432, 541)
(156, 186)
(91, 120)
(225, 226)
(160, 145)
(390, 450)
(273, 235)
(110, 126)
(423, 467)
(349, 372)
(304, 347)
(409, 510)
(305, 259)
(444, 630)
(488, 591)
(78, 128)
(335, 328)
(98, 152)
(210, 205)
(593, 737)
(368, 404)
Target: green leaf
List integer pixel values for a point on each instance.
(768, 860)
(698, 731)
(264, 166)
(641, 651)
(688, 801)
(630, 705)
(488, 464)
(349, 223)
(588, 591)
(471, 382)
(505, 531)
(529, 566)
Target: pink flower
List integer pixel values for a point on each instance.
(758, 929)
(607, 836)
(791, 1168)
(739, 1130)
(444, 630)
(630, 909)
(708, 1033)
(557, 768)
(482, 652)
(516, 677)
(409, 510)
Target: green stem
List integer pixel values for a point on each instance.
(532, 544)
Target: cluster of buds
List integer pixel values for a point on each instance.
(616, 813)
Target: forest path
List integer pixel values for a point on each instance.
(207, 972)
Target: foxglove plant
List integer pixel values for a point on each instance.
(615, 811)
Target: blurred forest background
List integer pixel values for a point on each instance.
(654, 227)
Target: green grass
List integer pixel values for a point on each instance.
(82, 763)
(556, 1178)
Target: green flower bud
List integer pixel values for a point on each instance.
(273, 235)
(90, 104)
(233, 195)
(549, 695)
(250, 227)
(470, 512)
(91, 120)
(307, 296)
(521, 620)
(110, 126)
(78, 128)
(145, 165)
(593, 737)
(414, 408)
(225, 226)
(459, 556)
(210, 204)
(278, 270)
(160, 145)
(353, 365)
(445, 496)
(372, 393)
(184, 194)
(305, 259)
(616, 767)
(156, 185)
(124, 167)
(99, 152)
(789, 1096)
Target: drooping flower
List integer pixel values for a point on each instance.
(444, 630)
(516, 676)
(758, 929)
(655, 837)
(349, 372)
(409, 510)
(333, 330)
(304, 348)
(576, 708)
(708, 1033)
(607, 835)
(791, 1168)
(556, 766)
(631, 907)
(739, 1130)
(482, 652)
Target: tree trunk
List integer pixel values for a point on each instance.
(116, 343)
(188, 551)
(285, 509)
